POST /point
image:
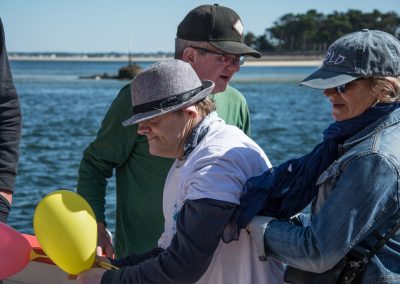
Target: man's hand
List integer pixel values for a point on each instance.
(91, 276)
(104, 243)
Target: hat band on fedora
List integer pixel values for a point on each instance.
(167, 102)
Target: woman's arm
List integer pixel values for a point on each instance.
(364, 197)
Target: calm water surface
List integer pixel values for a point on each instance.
(62, 113)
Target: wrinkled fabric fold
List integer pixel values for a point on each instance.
(5, 208)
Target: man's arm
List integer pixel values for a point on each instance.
(110, 149)
(199, 228)
(10, 131)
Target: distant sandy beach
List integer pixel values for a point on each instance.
(279, 63)
(263, 61)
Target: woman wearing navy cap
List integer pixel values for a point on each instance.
(351, 178)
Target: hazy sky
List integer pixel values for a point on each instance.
(139, 25)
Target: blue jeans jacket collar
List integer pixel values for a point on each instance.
(379, 125)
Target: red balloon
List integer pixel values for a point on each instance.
(15, 251)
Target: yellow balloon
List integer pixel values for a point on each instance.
(66, 229)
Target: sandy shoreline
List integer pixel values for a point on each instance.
(278, 63)
(264, 61)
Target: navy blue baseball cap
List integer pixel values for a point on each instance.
(360, 54)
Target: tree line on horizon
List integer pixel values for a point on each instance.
(313, 32)
(308, 33)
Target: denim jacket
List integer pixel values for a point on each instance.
(358, 193)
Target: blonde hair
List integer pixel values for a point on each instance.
(204, 107)
(389, 85)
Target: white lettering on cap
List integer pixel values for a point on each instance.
(331, 58)
(238, 27)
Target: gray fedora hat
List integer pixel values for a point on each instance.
(360, 54)
(164, 87)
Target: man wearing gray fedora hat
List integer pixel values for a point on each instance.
(210, 38)
(172, 108)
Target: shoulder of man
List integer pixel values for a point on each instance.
(234, 92)
(122, 103)
(125, 91)
(120, 108)
(231, 95)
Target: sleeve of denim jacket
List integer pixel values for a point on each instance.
(365, 196)
(199, 229)
(109, 150)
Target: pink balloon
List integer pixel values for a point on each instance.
(15, 251)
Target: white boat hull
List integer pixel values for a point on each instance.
(40, 273)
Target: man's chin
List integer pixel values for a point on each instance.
(159, 154)
(154, 153)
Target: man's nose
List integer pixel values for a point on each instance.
(143, 129)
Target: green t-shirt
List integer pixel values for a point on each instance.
(232, 107)
(140, 176)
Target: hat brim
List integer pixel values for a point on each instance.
(235, 47)
(136, 118)
(324, 79)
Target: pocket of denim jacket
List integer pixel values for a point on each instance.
(326, 182)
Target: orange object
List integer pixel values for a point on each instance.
(33, 242)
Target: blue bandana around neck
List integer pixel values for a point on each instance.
(283, 191)
(198, 133)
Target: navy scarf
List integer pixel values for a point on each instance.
(283, 191)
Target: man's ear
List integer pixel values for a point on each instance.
(189, 55)
(191, 111)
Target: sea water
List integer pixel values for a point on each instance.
(62, 113)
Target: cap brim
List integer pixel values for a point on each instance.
(324, 79)
(136, 118)
(235, 47)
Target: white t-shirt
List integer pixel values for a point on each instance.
(217, 169)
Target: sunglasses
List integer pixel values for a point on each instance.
(223, 58)
(341, 89)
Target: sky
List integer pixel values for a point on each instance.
(139, 25)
